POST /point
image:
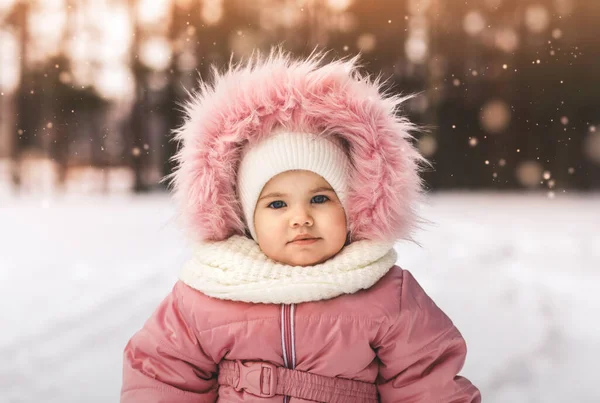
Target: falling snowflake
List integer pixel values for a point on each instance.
(557, 33)
(427, 145)
(473, 23)
(507, 40)
(416, 48)
(366, 42)
(495, 116)
(537, 18)
(591, 146)
(529, 173)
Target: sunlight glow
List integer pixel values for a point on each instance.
(5, 5)
(46, 27)
(339, 5)
(79, 46)
(418, 7)
(9, 73)
(151, 12)
(473, 23)
(81, 74)
(212, 11)
(537, 18)
(416, 48)
(117, 40)
(156, 53)
(114, 81)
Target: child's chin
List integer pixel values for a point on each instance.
(305, 260)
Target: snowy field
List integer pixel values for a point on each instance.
(519, 275)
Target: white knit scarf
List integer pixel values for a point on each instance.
(237, 269)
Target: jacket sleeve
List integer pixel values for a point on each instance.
(164, 362)
(421, 353)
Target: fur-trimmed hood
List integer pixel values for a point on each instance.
(248, 101)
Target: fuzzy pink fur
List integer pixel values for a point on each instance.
(246, 102)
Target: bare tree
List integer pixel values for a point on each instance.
(137, 122)
(24, 127)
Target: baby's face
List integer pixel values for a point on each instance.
(299, 202)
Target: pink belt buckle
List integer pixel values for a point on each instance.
(257, 378)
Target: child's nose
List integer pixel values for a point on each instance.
(301, 217)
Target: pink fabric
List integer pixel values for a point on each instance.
(392, 334)
(245, 103)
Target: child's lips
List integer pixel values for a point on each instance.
(305, 241)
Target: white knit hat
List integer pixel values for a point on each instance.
(284, 151)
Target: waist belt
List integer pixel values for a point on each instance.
(264, 379)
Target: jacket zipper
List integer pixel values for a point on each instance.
(287, 339)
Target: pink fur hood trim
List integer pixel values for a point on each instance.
(245, 103)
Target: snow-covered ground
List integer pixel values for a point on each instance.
(519, 275)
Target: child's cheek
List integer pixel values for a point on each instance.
(267, 222)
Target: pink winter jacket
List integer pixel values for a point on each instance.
(391, 334)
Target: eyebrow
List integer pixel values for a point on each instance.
(315, 190)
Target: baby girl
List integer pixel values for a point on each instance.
(295, 179)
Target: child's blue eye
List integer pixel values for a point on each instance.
(276, 201)
(319, 196)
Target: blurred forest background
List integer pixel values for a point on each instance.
(509, 89)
